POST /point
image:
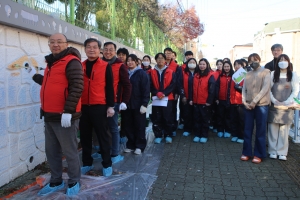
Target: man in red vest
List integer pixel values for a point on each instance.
(62, 85)
(122, 90)
(97, 105)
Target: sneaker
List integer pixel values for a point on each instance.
(180, 126)
(174, 134)
(196, 139)
(220, 134)
(73, 190)
(245, 158)
(86, 169)
(107, 171)
(168, 140)
(116, 159)
(96, 156)
(227, 135)
(157, 140)
(137, 151)
(126, 150)
(203, 140)
(48, 190)
(241, 141)
(234, 139)
(282, 157)
(186, 134)
(273, 156)
(215, 130)
(256, 160)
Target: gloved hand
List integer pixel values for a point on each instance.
(143, 109)
(160, 95)
(191, 103)
(30, 70)
(66, 120)
(123, 140)
(122, 106)
(184, 100)
(110, 111)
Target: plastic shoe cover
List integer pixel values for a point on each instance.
(107, 171)
(240, 141)
(215, 130)
(227, 135)
(168, 140)
(48, 190)
(137, 151)
(96, 147)
(211, 127)
(117, 159)
(203, 140)
(73, 190)
(186, 134)
(282, 157)
(96, 156)
(157, 140)
(220, 134)
(196, 139)
(174, 134)
(273, 156)
(180, 126)
(86, 169)
(234, 139)
(127, 150)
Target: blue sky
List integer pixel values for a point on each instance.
(233, 22)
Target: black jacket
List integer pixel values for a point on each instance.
(140, 92)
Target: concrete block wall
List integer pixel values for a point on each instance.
(22, 141)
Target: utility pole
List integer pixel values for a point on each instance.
(72, 11)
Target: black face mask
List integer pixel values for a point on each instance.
(254, 65)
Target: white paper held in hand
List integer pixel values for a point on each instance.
(159, 102)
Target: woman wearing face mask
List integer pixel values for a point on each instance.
(284, 87)
(256, 99)
(134, 117)
(146, 64)
(237, 108)
(187, 109)
(203, 97)
(223, 94)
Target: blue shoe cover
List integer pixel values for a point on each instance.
(73, 190)
(196, 139)
(168, 140)
(96, 156)
(117, 159)
(107, 171)
(86, 169)
(48, 190)
(123, 140)
(186, 134)
(203, 140)
(215, 130)
(227, 135)
(157, 140)
(211, 127)
(174, 134)
(234, 139)
(96, 147)
(240, 141)
(180, 126)
(220, 134)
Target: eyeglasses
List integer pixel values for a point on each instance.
(56, 42)
(92, 47)
(109, 50)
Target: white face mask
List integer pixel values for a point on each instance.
(146, 63)
(192, 65)
(283, 64)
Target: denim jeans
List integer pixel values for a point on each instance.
(113, 128)
(260, 115)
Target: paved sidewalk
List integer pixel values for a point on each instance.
(214, 170)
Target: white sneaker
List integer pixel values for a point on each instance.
(273, 156)
(127, 150)
(282, 157)
(137, 151)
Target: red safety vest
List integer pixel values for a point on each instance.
(186, 83)
(200, 88)
(235, 96)
(116, 74)
(54, 90)
(167, 80)
(224, 86)
(173, 66)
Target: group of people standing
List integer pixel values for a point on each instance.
(89, 95)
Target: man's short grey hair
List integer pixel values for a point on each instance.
(277, 46)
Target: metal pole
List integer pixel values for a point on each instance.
(296, 125)
(72, 11)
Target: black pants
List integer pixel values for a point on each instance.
(163, 120)
(214, 117)
(237, 120)
(181, 113)
(174, 110)
(202, 115)
(188, 117)
(94, 117)
(223, 117)
(133, 125)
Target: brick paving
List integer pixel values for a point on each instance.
(213, 170)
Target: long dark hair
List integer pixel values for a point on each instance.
(231, 72)
(208, 68)
(289, 73)
(187, 70)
